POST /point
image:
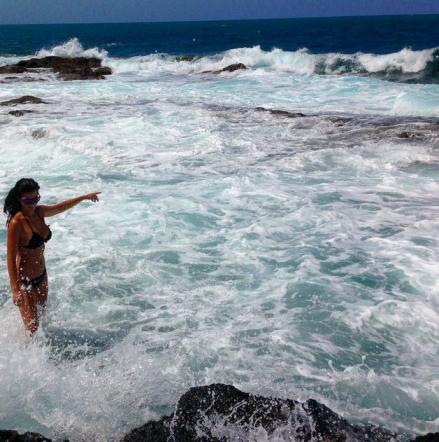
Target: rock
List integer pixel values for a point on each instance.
(185, 58)
(77, 68)
(19, 113)
(430, 437)
(26, 99)
(12, 69)
(406, 135)
(281, 113)
(39, 133)
(14, 436)
(230, 68)
(221, 412)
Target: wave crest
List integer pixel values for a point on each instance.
(72, 48)
(406, 65)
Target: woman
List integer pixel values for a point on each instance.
(27, 235)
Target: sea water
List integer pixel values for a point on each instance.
(295, 257)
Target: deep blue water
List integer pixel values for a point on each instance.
(378, 35)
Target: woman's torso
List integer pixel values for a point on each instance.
(30, 252)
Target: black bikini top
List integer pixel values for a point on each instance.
(37, 240)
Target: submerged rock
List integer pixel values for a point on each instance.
(406, 135)
(19, 113)
(430, 437)
(76, 68)
(25, 99)
(185, 58)
(221, 412)
(14, 436)
(281, 113)
(230, 68)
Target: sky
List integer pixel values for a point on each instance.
(96, 11)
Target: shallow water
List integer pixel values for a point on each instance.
(288, 256)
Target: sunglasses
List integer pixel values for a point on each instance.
(30, 201)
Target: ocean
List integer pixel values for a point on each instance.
(293, 256)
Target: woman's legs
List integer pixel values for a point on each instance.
(34, 303)
(29, 312)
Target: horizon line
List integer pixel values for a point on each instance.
(217, 20)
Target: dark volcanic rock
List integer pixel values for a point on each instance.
(185, 58)
(26, 99)
(281, 113)
(77, 68)
(230, 68)
(430, 437)
(12, 69)
(19, 113)
(14, 436)
(406, 135)
(218, 413)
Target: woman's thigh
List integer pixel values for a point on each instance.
(29, 312)
(40, 293)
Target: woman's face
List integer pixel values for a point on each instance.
(30, 199)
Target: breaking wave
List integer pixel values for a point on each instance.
(406, 65)
(72, 48)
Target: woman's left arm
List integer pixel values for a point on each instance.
(61, 207)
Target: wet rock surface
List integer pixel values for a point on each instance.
(76, 68)
(281, 113)
(221, 412)
(230, 68)
(25, 99)
(19, 113)
(14, 436)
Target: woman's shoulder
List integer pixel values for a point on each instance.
(17, 219)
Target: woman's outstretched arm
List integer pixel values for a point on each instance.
(55, 209)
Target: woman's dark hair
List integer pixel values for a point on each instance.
(12, 202)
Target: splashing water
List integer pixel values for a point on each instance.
(295, 257)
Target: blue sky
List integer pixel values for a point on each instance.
(86, 11)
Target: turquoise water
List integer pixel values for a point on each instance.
(288, 256)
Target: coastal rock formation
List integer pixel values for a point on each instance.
(221, 412)
(76, 68)
(25, 99)
(19, 113)
(14, 436)
(281, 113)
(231, 68)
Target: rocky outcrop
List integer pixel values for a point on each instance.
(14, 436)
(220, 413)
(281, 113)
(231, 68)
(77, 68)
(185, 58)
(25, 99)
(19, 113)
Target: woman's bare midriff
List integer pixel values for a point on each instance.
(30, 262)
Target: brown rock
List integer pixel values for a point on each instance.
(406, 135)
(78, 68)
(19, 113)
(22, 100)
(281, 113)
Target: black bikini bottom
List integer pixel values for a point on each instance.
(35, 282)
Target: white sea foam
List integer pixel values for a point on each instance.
(72, 48)
(295, 257)
(278, 60)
